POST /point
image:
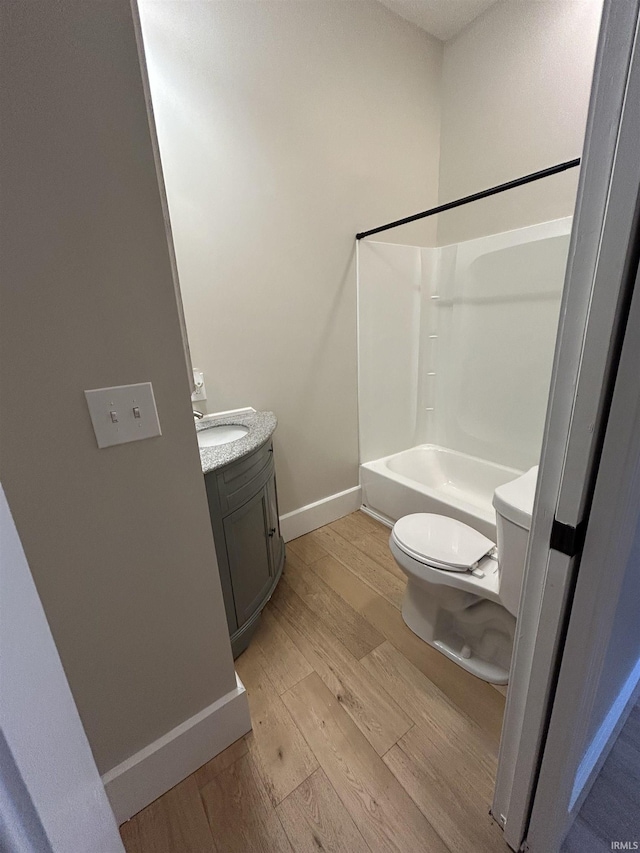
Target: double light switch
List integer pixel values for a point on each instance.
(123, 413)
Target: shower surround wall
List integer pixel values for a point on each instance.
(455, 350)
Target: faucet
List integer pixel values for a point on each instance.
(197, 415)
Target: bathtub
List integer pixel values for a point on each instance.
(435, 479)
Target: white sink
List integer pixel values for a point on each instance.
(221, 434)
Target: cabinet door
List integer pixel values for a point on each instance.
(248, 547)
(273, 525)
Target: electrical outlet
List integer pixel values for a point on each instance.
(200, 392)
(123, 413)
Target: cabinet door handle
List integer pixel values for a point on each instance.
(272, 531)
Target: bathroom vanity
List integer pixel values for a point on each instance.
(243, 506)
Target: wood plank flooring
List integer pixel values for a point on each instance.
(364, 737)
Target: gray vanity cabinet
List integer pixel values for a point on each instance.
(249, 555)
(243, 506)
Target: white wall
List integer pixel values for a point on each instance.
(515, 92)
(285, 128)
(119, 540)
(51, 796)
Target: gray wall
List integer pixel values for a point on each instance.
(118, 540)
(623, 650)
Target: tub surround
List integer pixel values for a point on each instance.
(458, 341)
(434, 479)
(261, 426)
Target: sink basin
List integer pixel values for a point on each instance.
(221, 434)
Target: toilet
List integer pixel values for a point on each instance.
(463, 592)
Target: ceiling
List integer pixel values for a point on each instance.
(442, 18)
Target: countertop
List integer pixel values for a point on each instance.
(261, 427)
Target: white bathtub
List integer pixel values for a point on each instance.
(429, 478)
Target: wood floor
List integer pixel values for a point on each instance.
(364, 737)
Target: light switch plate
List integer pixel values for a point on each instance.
(123, 413)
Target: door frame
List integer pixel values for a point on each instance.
(573, 754)
(51, 795)
(592, 317)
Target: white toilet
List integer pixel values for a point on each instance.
(462, 592)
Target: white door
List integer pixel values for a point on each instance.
(598, 284)
(51, 796)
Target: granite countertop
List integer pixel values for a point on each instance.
(261, 427)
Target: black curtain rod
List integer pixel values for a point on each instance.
(518, 182)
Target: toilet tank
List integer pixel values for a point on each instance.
(513, 504)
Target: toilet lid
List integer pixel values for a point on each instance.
(441, 541)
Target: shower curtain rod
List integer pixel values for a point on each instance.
(518, 182)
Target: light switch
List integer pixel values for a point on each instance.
(123, 413)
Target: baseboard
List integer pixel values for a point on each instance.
(604, 739)
(315, 515)
(148, 774)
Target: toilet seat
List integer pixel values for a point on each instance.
(441, 542)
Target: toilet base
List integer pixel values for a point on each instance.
(475, 633)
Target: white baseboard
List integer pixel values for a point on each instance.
(148, 774)
(315, 515)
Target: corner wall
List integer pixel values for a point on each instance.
(285, 128)
(118, 540)
(515, 91)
